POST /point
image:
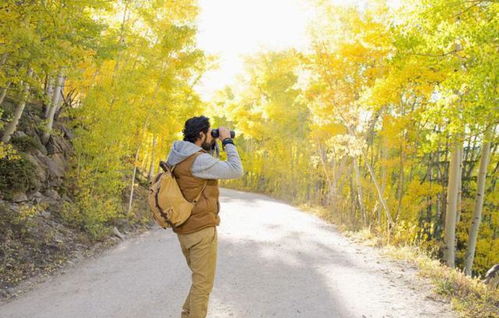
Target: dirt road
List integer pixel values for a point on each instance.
(274, 261)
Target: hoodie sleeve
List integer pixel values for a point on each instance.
(207, 167)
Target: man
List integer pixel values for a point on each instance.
(197, 172)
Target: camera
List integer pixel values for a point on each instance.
(215, 133)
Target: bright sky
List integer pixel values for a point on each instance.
(233, 28)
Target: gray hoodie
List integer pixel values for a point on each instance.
(206, 166)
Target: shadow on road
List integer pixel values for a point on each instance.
(266, 279)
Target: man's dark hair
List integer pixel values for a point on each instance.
(193, 126)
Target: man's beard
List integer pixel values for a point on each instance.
(208, 146)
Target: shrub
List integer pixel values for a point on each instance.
(26, 143)
(16, 175)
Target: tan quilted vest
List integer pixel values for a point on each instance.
(205, 212)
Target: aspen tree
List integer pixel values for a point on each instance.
(11, 126)
(477, 210)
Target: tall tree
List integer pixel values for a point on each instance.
(53, 106)
(477, 211)
(11, 127)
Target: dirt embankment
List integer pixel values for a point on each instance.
(35, 240)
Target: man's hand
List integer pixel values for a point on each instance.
(223, 132)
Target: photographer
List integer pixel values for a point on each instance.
(197, 171)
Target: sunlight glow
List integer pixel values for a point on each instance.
(232, 28)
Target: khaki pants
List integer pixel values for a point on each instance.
(200, 251)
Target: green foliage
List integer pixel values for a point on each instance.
(88, 216)
(134, 87)
(270, 147)
(8, 152)
(29, 211)
(26, 143)
(16, 175)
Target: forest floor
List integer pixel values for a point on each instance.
(274, 260)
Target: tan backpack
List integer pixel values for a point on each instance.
(168, 205)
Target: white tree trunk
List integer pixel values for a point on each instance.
(11, 127)
(4, 93)
(55, 102)
(459, 196)
(477, 211)
(359, 190)
(331, 187)
(373, 177)
(130, 200)
(450, 215)
(380, 195)
(150, 175)
(3, 60)
(50, 94)
(383, 182)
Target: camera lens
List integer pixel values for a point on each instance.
(215, 133)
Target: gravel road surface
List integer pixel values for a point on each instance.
(273, 261)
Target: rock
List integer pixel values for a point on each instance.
(19, 197)
(41, 167)
(58, 144)
(121, 223)
(51, 193)
(19, 133)
(56, 165)
(41, 146)
(117, 233)
(4, 293)
(46, 214)
(37, 195)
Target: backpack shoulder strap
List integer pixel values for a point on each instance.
(166, 167)
(197, 154)
(199, 195)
